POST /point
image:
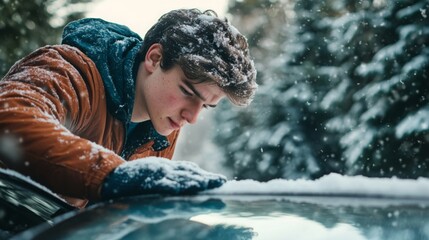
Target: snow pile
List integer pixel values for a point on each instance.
(332, 184)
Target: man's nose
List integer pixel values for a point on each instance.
(190, 114)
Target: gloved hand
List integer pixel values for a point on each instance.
(158, 175)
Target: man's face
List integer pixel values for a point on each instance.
(170, 100)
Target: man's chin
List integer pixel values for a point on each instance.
(164, 128)
(164, 132)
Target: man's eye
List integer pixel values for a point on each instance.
(208, 106)
(186, 92)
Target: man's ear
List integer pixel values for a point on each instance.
(153, 57)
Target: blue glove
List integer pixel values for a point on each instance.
(158, 175)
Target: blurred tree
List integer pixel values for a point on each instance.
(384, 125)
(27, 25)
(343, 90)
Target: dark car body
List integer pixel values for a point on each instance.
(242, 217)
(24, 204)
(222, 217)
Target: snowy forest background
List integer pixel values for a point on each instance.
(343, 84)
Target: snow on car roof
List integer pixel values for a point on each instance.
(332, 184)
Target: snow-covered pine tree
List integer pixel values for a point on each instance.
(384, 125)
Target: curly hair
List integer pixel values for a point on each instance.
(207, 48)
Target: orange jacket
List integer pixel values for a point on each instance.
(53, 117)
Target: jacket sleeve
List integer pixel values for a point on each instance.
(44, 99)
(146, 150)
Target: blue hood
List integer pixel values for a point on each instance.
(113, 48)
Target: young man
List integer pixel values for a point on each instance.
(76, 114)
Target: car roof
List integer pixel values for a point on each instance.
(242, 217)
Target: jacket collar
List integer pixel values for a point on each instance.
(138, 134)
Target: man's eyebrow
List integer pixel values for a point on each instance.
(190, 86)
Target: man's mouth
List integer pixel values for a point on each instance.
(174, 124)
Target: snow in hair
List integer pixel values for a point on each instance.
(208, 48)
